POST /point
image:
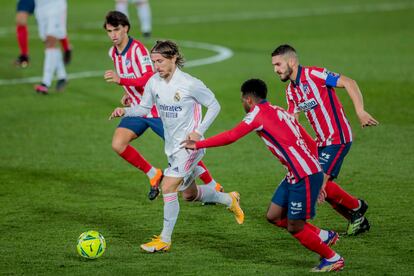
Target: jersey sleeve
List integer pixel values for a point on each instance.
(143, 59)
(226, 137)
(144, 107)
(324, 76)
(250, 123)
(205, 97)
(138, 82)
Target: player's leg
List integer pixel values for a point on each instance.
(50, 64)
(349, 206)
(162, 242)
(128, 130)
(24, 9)
(122, 6)
(277, 215)
(208, 179)
(144, 15)
(302, 198)
(208, 194)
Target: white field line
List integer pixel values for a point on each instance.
(222, 53)
(247, 16)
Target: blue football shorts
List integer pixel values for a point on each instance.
(299, 199)
(139, 125)
(331, 158)
(25, 6)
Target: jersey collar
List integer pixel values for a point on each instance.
(130, 39)
(298, 75)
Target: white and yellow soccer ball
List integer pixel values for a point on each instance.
(91, 245)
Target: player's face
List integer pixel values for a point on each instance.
(245, 103)
(281, 67)
(118, 34)
(164, 66)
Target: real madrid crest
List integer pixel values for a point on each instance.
(177, 96)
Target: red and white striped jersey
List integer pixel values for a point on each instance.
(313, 93)
(134, 66)
(283, 136)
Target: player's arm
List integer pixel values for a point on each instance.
(205, 97)
(355, 94)
(144, 107)
(138, 82)
(221, 139)
(126, 100)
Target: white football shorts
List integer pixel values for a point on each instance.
(51, 23)
(184, 164)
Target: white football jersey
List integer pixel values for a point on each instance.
(179, 104)
(50, 6)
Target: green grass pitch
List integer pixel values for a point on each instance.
(59, 176)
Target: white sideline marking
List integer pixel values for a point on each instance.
(223, 53)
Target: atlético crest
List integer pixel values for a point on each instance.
(306, 88)
(177, 96)
(128, 63)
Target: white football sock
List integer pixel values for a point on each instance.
(334, 258)
(212, 184)
(50, 64)
(122, 6)
(144, 15)
(60, 67)
(209, 194)
(151, 173)
(324, 235)
(171, 210)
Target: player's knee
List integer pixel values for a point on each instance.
(21, 18)
(295, 226)
(272, 218)
(118, 146)
(50, 41)
(189, 197)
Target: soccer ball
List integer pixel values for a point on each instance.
(91, 245)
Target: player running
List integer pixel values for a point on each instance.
(133, 69)
(294, 200)
(51, 19)
(144, 14)
(311, 90)
(179, 98)
(24, 9)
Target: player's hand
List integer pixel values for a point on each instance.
(188, 144)
(194, 136)
(111, 76)
(322, 196)
(366, 119)
(118, 112)
(126, 100)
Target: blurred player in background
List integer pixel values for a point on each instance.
(24, 9)
(133, 69)
(143, 11)
(311, 90)
(51, 19)
(179, 98)
(295, 198)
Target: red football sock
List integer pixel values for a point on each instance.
(313, 228)
(311, 241)
(336, 194)
(23, 39)
(205, 176)
(65, 44)
(136, 159)
(283, 224)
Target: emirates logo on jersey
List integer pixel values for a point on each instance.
(128, 63)
(177, 96)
